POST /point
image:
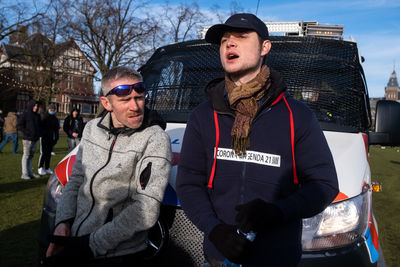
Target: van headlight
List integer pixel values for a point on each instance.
(340, 224)
(54, 191)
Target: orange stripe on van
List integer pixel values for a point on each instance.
(64, 169)
(374, 236)
(340, 196)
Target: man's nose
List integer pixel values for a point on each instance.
(133, 105)
(230, 42)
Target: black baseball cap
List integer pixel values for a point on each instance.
(242, 21)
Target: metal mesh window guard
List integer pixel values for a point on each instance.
(325, 74)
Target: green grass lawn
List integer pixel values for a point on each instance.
(21, 205)
(385, 168)
(21, 201)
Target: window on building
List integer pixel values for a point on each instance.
(76, 64)
(86, 109)
(94, 108)
(69, 82)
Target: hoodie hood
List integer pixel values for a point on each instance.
(75, 109)
(31, 104)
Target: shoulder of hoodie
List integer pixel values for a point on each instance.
(303, 116)
(156, 133)
(298, 108)
(214, 86)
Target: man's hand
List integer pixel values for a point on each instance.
(75, 135)
(257, 215)
(76, 251)
(233, 246)
(63, 229)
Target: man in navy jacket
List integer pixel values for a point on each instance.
(253, 158)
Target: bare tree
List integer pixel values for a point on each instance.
(183, 20)
(47, 71)
(235, 7)
(42, 54)
(16, 15)
(39, 54)
(12, 15)
(110, 32)
(221, 15)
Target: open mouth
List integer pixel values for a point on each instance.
(232, 56)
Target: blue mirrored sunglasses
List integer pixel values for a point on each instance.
(123, 90)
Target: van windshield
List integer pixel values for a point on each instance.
(325, 74)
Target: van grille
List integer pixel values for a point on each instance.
(185, 246)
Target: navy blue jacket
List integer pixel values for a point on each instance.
(265, 173)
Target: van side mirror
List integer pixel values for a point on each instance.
(387, 124)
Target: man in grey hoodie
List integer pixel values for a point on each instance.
(117, 183)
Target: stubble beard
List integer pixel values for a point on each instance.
(238, 75)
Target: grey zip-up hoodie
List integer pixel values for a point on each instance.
(116, 186)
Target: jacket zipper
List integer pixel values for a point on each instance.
(243, 178)
(241, 200)
(91, 183)
(259, 115)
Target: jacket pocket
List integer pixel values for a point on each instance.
(145, 176)
(110, 216)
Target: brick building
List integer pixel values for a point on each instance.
(32, 66)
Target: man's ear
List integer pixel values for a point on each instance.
(106, 103)
(265, 47)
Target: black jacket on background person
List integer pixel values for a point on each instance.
(49, 128)
(72, 124)
(29, 123)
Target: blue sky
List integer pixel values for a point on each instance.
(375, 25)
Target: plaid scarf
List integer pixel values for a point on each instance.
(243, 100)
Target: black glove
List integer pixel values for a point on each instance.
(233, 246)
(258, 214)
(76, 251)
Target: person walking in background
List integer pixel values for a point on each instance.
(29, 125)
(50, 126)
(73, 127)
(10, 129)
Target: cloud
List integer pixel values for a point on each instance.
(381, 52)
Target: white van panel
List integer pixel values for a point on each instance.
(351, 162)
